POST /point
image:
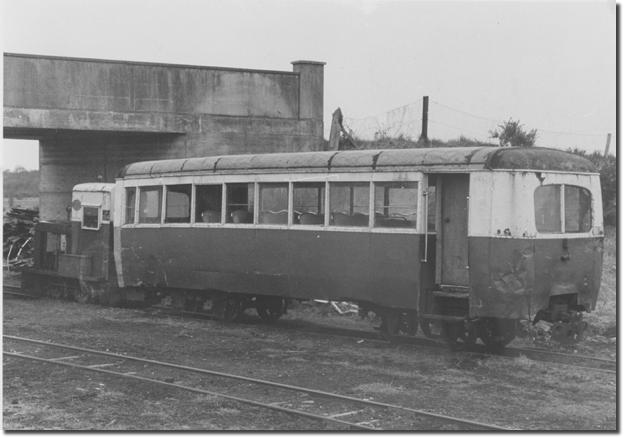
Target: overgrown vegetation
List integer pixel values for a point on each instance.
(384, 141)
(512, 133)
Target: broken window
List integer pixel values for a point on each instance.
(349, 203)
(273, 203)
(178, 208)
(396, 204)
(208, 203)
(150, 204)
(309, 203)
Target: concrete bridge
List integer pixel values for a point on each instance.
(92, 117)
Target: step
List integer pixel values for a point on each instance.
(451, 294)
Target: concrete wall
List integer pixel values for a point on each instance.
(94, 116)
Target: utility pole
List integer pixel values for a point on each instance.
(425, 121)
(608, 144)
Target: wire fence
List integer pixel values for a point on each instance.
(448, 123)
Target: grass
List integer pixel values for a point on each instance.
(603, 319)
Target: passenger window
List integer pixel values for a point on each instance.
(396, 204)
(547, 200)
(178, 208)
(90, 218)
(273, 204)
(240, 205)
(348, 204)
(309, 203)
(576, 208)
(130, 204)
(150, 204)
(208, 204)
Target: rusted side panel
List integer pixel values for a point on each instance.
(501, 277)
(514, 278)
(381, 268)
(567, 266)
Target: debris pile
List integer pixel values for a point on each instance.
(18, 231)
(342, 307)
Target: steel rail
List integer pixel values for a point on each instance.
(558, 353)
(511, 352)
(17, 291)
(192, 389)
(268, 383)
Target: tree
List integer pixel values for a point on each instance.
(512, 133)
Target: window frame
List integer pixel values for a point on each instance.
(291, 207)
(370, 206)
(140, 190)
(288, 209)
(417, 213)
(291, 179)
(562, 213)
(201, 223)
(166, 204)
(99, 217)
(254, 221)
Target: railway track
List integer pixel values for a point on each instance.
(344, 411)
(575, 360)
(16, 291)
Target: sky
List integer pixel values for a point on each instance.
(550, 65)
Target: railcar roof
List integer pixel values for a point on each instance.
(428, 159)
(94, 187)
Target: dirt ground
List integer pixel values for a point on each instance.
(517, 393)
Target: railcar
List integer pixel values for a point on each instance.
(469, 239)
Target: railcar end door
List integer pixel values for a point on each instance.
(453, 259)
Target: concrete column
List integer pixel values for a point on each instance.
(310, 88)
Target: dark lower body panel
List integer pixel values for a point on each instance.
(384, 269)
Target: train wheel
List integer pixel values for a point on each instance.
(56, 289)
(111, 296)
(270, 309)
(459, 334)
(391, 320)
(85, 292)
(496, 333)
(430, 328)
(233, 309)
(409, 322)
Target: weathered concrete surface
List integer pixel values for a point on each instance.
(92, 117)
(124, 87)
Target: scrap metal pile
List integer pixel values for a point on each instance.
(18, 231)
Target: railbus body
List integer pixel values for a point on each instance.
(474, 238)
